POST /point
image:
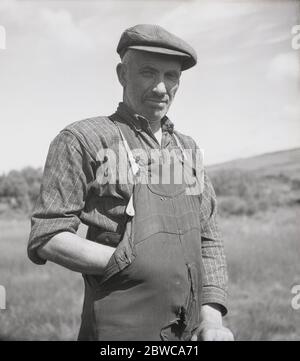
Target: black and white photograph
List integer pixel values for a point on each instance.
(149, 172)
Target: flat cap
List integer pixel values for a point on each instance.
(155, 39)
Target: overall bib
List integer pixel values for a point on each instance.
(151, 286)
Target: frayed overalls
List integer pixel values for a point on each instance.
(151, 286)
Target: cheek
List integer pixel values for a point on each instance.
(173, 90)
(138, 88)
(132, 91)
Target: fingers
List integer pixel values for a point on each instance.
(217, 334)
(209, 335)
(194, 337)
(229, 335)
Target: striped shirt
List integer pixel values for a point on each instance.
(71, 192)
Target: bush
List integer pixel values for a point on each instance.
(19, 189)
(233, 182)
(243, 192)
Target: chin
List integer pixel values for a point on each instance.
(157, 116)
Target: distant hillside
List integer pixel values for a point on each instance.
(281, 162)
(243, 186)
(250, 185)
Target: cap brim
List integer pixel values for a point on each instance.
(186, 62)
(155, 49)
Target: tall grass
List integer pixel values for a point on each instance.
(263, 255)
(44, 302)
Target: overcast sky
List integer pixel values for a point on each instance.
(242, 98)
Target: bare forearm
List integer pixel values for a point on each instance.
(76, 253)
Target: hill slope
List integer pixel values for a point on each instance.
(246, 186)
(286, 161)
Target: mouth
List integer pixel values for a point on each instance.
(157, 102)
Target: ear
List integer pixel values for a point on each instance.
(121, 71)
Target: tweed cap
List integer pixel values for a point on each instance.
(155, 39)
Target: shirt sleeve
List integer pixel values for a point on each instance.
(215, 278)
(62, 194)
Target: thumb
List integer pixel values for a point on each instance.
(194, 337)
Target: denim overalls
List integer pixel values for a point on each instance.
(151, 287)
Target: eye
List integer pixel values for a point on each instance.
(147, 73)
(172, 76)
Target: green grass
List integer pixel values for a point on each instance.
(43, 302)
(263, 253)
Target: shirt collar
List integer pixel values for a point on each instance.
(139, 122)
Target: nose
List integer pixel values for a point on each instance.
(160, 88)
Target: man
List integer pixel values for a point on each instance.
(153, 262)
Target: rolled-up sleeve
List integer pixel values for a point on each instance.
(215, 277)
(62, 194)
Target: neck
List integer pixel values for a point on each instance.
(155, 125)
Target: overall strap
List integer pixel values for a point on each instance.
(133, 164)
(199, 172)
(180, 146)
(134, 168)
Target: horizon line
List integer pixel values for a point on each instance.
(282, 150)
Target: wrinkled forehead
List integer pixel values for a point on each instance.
(164, 62)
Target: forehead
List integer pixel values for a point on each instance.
(164, 62)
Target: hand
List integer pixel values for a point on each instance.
(208, 331)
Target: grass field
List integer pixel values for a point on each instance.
(44, 302)
(263, 254)
(263, 258)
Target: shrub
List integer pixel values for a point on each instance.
(245, 192)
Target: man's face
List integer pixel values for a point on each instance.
(150, 82)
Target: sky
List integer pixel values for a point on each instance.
(58, 66)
